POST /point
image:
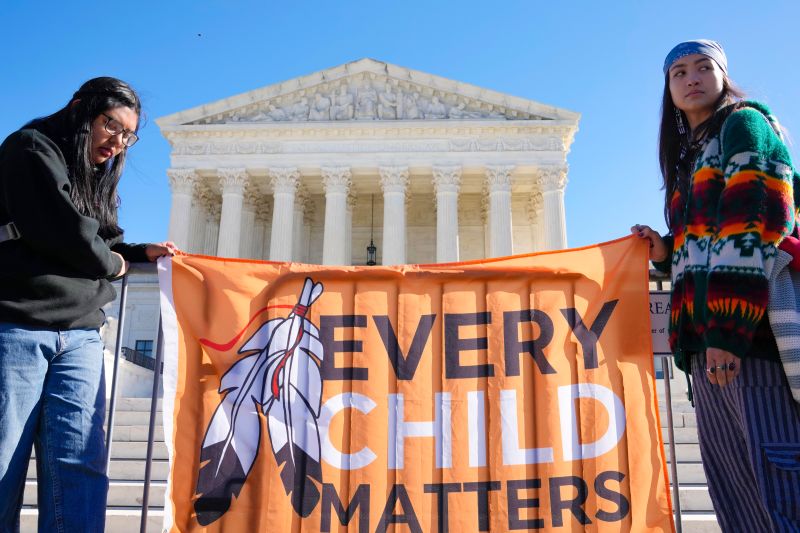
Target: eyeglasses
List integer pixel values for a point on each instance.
(115, 128)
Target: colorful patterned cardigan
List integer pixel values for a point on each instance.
(725, 230)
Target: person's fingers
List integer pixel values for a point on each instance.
(737, 367)
(711, 370)
(733, 369)
(722, 374)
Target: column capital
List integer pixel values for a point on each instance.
(552, 178)
(351, 199)
(284, 179)
(394, 178)
(446, 178)
(251, 196)
(263, 209)
(535, 206)
(498, 177)
(232, 180)
(200, 192)
(301, 198)
(181, 180)
(206, 197)
(336, 179)
(212, 205)
(484, 204)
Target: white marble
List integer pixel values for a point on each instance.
(250, 200)
(284, 182)
(498, 185)
(348, 224)
(552, 182)
(394, 182)
(181, 183)
(213, 209)
(368, 116)
(197, 221)
(232, 183)
(299, 226)
(535, 211)
(336, 181)
(446, 183)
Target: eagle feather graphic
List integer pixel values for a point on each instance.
(282, 380)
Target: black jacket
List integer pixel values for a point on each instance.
(57, 274)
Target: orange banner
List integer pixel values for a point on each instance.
(494, 395)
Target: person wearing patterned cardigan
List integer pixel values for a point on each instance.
(730, 199)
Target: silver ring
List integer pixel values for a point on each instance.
(722, 367)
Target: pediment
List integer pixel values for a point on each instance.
(366, 90)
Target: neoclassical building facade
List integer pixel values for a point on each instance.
(313, 169)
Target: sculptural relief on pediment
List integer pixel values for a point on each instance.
(365, 98)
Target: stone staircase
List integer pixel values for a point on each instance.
(126, 475)
(129, 450)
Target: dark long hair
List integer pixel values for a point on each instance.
(675, 170)
(94, 187)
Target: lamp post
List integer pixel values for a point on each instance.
(371, 249)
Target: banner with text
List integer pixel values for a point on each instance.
(494, 395)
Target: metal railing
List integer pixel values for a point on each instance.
(139, 359)
(666, 361)
(148, 268)
(136, 268)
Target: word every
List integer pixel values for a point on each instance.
(405, 365)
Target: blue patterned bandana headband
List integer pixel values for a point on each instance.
(704, 47)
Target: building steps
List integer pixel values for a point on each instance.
(129, 449)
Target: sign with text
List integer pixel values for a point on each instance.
(495, 395)
(659, 322)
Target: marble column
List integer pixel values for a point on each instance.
(394, 182)
(348, 228)
(181, 182)
(213, 208)
(232, 182)
(246, 239)
(536, 218)
(498, 183)
(336, 181)
(260, 233)
(197, 221)
(284, 184)
(300, 240)
(552, 182)
(485, 220)
(446, 183)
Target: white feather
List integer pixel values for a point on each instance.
(236, 376)
(243, 435)
(305, 376)
(303, 430)
(261, 338)
(310, 328)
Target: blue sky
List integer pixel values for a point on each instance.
(601, 59)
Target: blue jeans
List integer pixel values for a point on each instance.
(52, 396)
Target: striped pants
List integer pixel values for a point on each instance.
(749, 434)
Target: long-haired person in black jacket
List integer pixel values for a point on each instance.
(60, 245)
